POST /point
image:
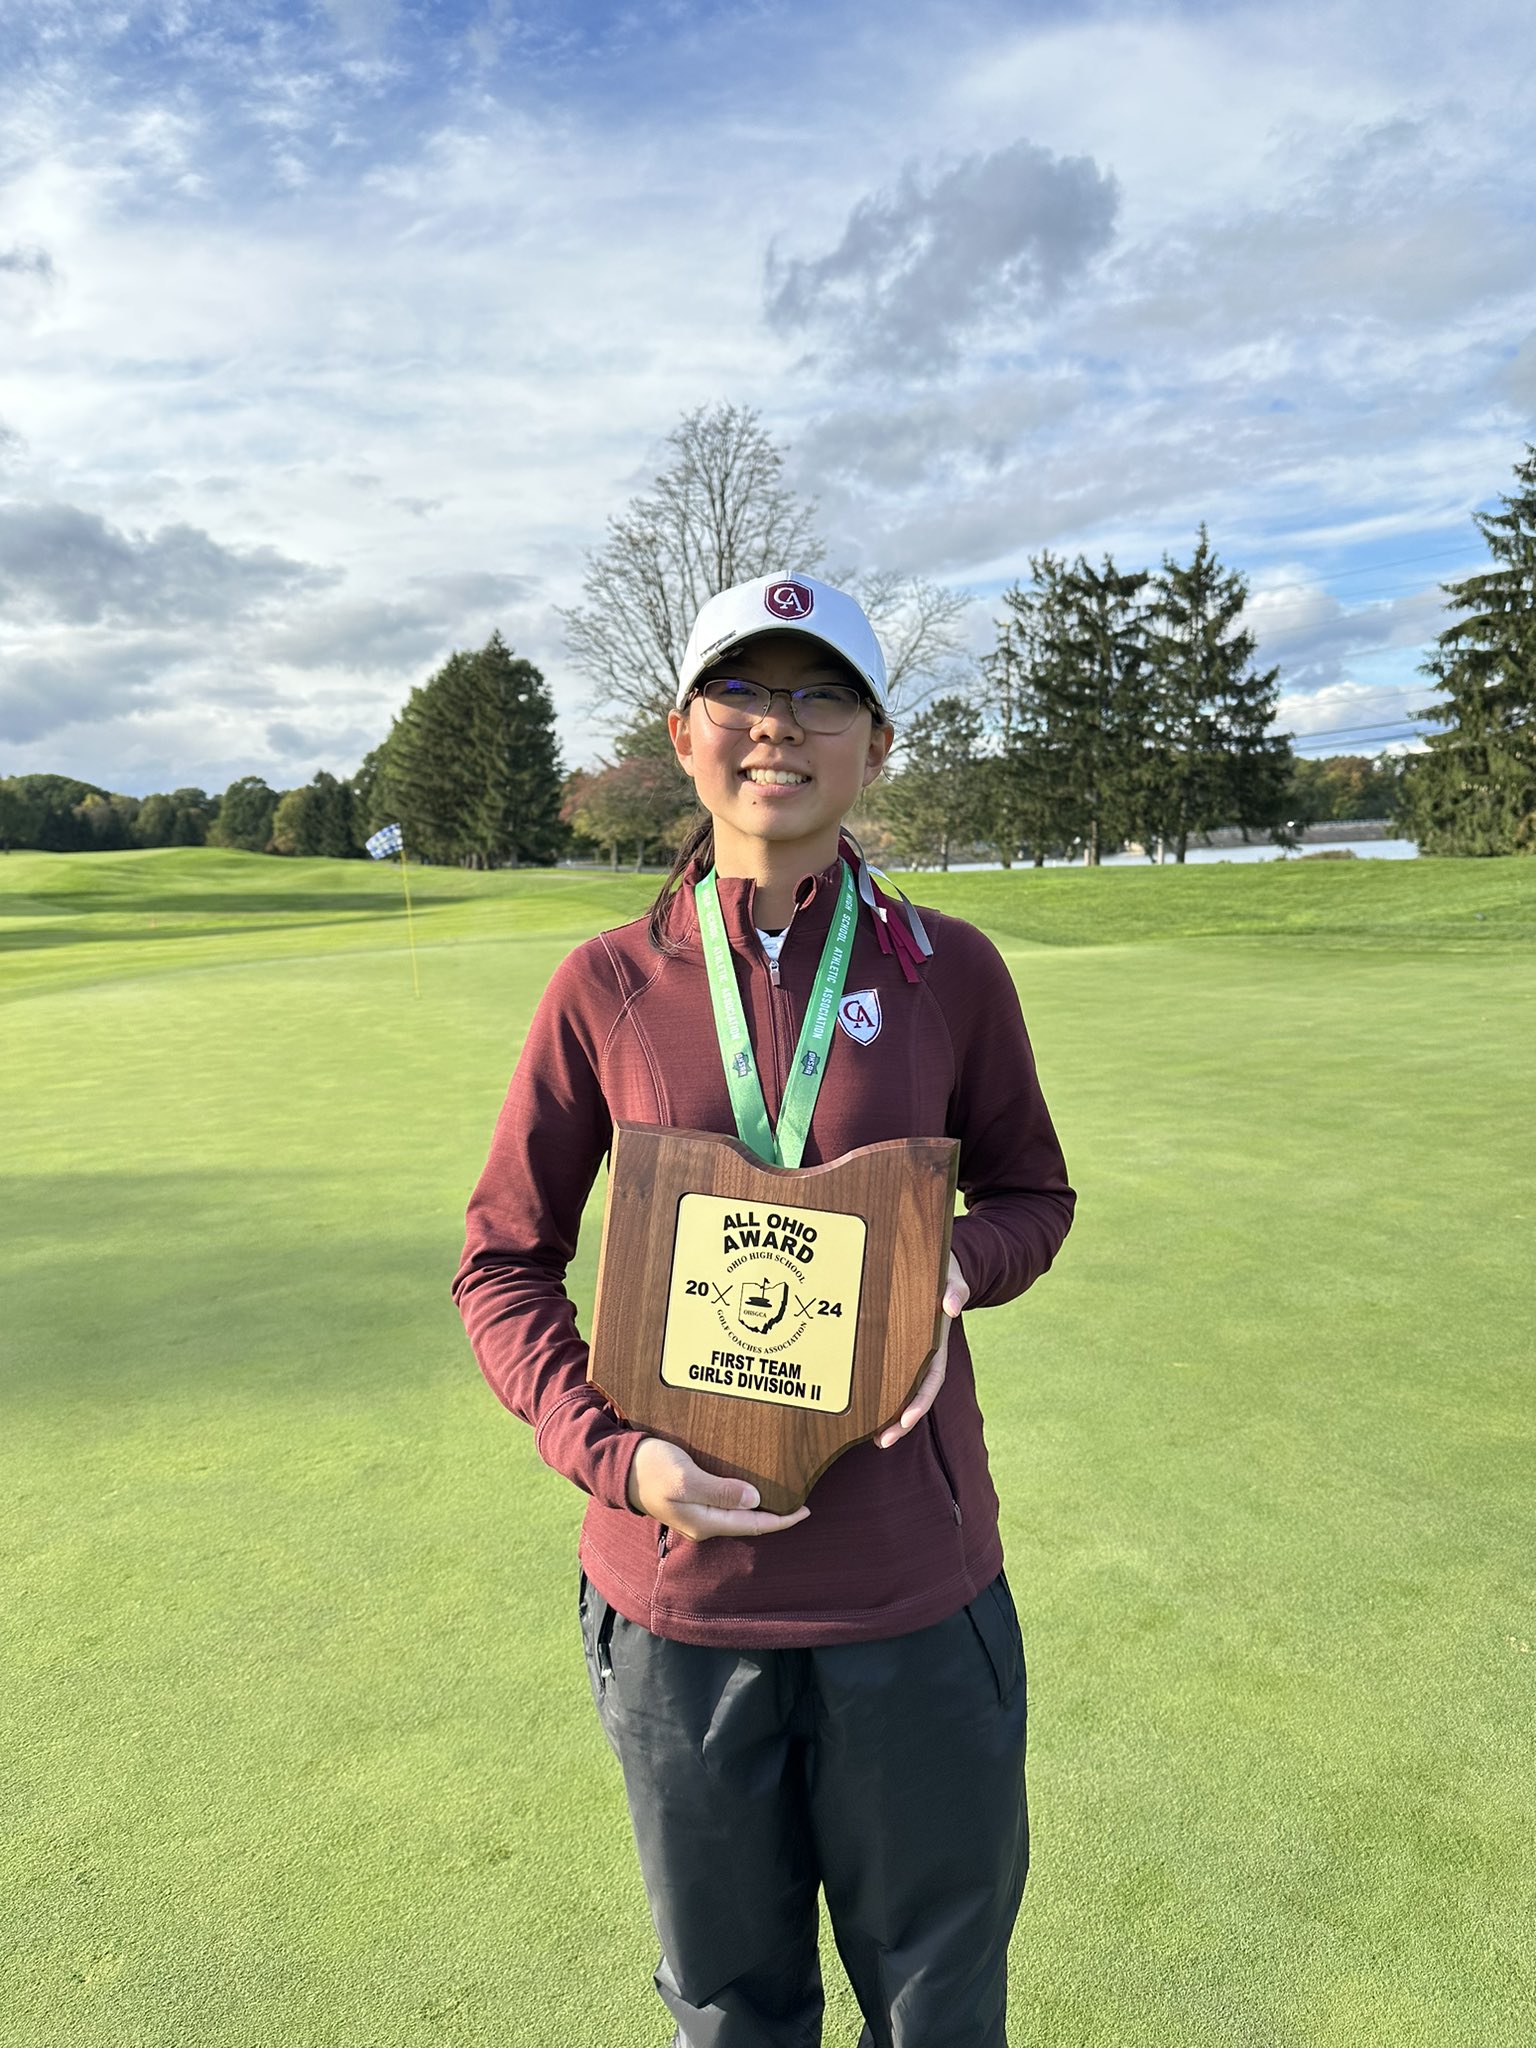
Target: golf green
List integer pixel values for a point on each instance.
(296, 1741)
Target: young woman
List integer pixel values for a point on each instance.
(831, 1700)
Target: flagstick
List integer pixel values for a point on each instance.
(410, 924)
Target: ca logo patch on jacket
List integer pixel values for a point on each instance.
(859, 1015)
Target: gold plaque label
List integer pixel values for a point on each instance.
(763, 1303)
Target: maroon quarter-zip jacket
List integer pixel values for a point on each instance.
(895, 1539)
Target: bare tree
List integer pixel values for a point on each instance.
(718, 514)
(922, 630)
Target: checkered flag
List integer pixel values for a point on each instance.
(387, 840)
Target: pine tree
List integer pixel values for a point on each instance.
(471, 766)
(1091, 684)
(935, 803)
(1018, 812)
(425, 768)
(513, 815)
(1473, 791)
(1211, 757)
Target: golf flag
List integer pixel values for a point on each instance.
(387, 840)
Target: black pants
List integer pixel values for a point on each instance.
(891, 1774)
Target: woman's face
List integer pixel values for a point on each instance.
(774, 784)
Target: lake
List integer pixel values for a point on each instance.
(1366, 849)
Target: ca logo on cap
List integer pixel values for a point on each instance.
(789, 600)
(859, 1015)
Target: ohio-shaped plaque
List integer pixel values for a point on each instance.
(767, 1318)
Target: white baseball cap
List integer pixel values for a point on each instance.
(788, 603)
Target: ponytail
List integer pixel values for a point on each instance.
(698, 846)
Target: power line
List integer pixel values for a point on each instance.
(1379, 568)
(1326, 630)
(1288, 706)
(1257, 623)
(1324, 581)
(1389, 690)
(1361, 608)
(1330, 732)
(1395, 727)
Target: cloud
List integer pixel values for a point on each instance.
(1297, 312)
(924, 266)
(1359, 718)
(1311, 345)
(1348, 671)
(1314, 636)
(388, 636)
(60, 563)
(20, 261)
(42, 694)
(1519, 375)
(364, 21)
(364, 636)
(319, 743)
(157, 743)
(965, 433)
(476, 590)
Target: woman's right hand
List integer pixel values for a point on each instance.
(665, 1483)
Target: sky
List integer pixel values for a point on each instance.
(331, 337)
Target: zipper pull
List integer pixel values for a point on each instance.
(773, 971)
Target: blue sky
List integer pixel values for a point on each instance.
(332, 336)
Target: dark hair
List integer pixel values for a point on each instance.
(698, 846)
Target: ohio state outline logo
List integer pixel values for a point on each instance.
(789, 600)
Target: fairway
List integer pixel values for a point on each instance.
(297, 1746)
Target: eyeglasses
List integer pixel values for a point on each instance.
(732, 702)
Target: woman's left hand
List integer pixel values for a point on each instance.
(956, 1294)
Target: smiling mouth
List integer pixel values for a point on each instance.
(776, 777)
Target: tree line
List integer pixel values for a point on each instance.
(470, 768)
(1115, 707)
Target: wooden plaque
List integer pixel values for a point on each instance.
(767, 1318)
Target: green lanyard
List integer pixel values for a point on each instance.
(786, 1146)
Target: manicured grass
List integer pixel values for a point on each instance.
(74, 918)
(297, 1739)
